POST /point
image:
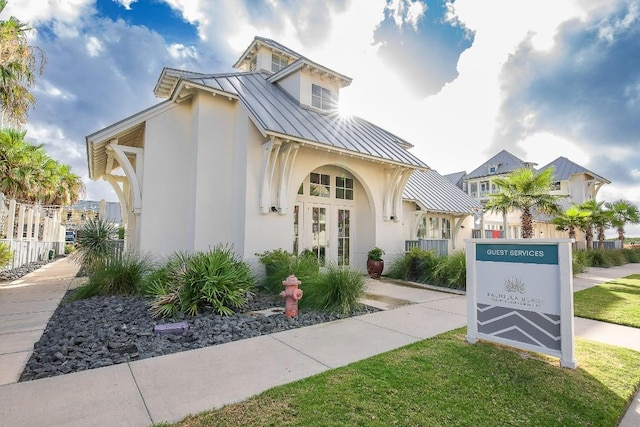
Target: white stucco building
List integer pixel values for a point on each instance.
(261, 159)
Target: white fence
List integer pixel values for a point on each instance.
(32, 231)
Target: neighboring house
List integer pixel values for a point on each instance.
(571, 180)
(259, 159)
(575, 182)
(437, 212)
(457, 179)
(73, 217)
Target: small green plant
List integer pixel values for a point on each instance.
(69, 248)
(336, 291)
(417, 265)
(6, 255)
(117, 275)
(279, 264)
(632, 255)
(188, 282)
(95, 244)
(375, 254)
(580, 262)
(121, 233)
(451, 271)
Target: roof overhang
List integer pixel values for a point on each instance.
(324, 147)
(313, 68)
(253, 48)
(438, 211)
(129, 132)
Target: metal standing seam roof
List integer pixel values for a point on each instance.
(564, 168)
(455, 178)
(505, 162)
(277, 112)
(432, 192)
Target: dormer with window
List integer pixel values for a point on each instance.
(311, 84)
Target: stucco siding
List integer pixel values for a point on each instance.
(165, 225)
(216, 173)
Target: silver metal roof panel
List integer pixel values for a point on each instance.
(275, 111)
(432, 192)
(564, 168)
(504, 161)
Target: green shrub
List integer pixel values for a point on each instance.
(6, 255)
(69, 248)
(121, 275)
(632, 255)
(337, 290)
(597, 258)
(216, 278)
(417, 265)
(95, 243)
(279, 264)
(451, 271)
(375, 254)
(579, 262)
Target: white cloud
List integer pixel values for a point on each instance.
(126, 3)
(94, 47)
(407, 12)
(181, 52)
(35, 12)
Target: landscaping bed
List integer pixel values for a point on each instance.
(107, 330)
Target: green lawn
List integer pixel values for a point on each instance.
(446, 381)
(617, 301)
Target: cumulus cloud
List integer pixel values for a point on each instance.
(125, 3)
(584, 89)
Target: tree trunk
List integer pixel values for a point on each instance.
(621, 236)
(527, 224)
(588, 234)
(601, 237)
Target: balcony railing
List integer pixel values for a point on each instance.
(488, 234)
(439, 246)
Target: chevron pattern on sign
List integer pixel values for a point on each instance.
(539, 329)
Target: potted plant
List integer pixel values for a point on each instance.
(375, 263)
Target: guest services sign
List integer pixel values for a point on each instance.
(520, 293)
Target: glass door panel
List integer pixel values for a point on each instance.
(319, 233)
(344, 236)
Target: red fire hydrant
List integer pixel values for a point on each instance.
(291, 295)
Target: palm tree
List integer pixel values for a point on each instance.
(19, 64)
(623, 213)
(27, 173)
(572, 218)
(525, 189)
(597, 218)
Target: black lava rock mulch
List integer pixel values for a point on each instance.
(16, 273)
(103, 331)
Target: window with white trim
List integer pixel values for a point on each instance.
(555, 186)
(253, 64)
(278, 62)
(321, 97)
(319, 185)
(344, 188)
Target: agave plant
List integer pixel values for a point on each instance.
(95, 243)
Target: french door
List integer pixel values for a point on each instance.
(327, 232)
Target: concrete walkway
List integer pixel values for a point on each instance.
(170, 387)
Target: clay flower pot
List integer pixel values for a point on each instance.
(374, 268)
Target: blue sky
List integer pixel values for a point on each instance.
(460, 79)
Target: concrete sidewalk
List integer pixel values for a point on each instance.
(26, 305)
(170, 387)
